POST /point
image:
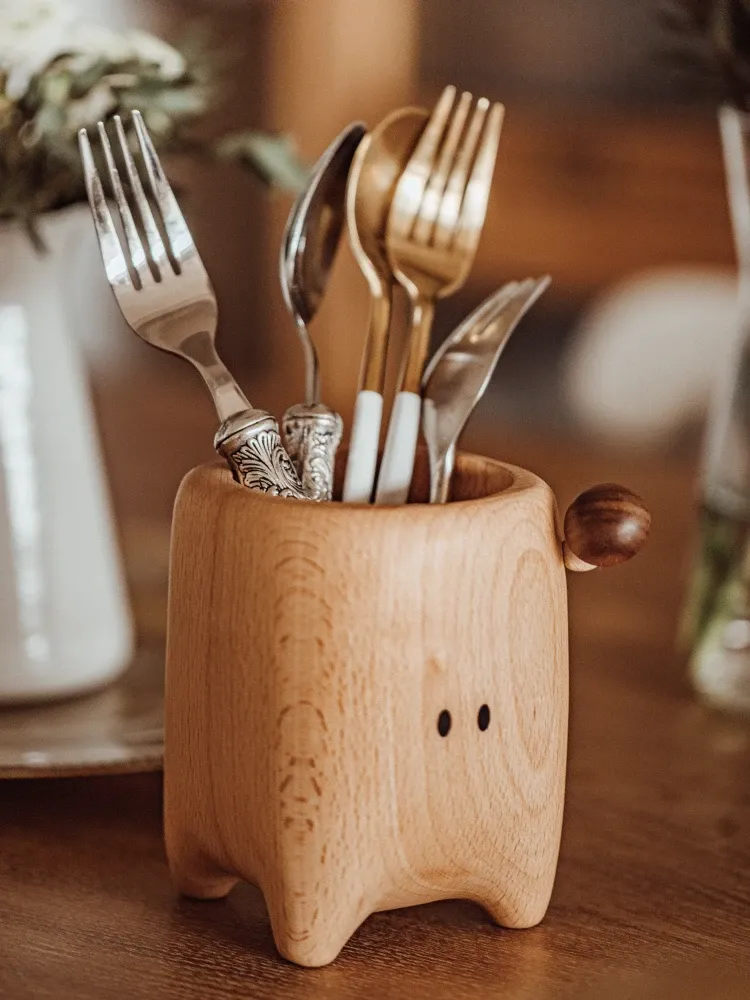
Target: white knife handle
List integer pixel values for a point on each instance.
(400, 448)
(363, 447)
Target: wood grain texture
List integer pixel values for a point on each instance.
(605, 525)
(315, 653)
(655, 854)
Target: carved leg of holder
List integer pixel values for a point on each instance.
(366, 708)
(520, 913)
(199, 878)
(194, 872)
(312, 931)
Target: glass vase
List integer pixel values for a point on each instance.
(716, 624)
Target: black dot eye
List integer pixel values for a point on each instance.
(444, 722)
(483, 717)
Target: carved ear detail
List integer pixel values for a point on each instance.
(606, 525)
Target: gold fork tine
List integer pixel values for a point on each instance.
(153, 236)
(138, 258)
(411, 187)
(113, 255)
(178, 235)
(428, 210)
(474, 206)
(450, 206)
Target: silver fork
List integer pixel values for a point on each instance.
(166, 297)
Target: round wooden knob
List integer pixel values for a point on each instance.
(606, 525)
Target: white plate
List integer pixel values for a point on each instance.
(114, 731)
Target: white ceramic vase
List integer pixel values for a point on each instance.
(65, 624)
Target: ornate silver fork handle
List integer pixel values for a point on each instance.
(251, 444)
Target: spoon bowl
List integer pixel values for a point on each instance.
(376, 169)
(311, 239)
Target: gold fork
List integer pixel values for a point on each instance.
(433, 231)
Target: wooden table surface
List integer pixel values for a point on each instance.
(654, 874)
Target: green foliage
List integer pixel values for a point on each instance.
(40, 168)
(272, 158)
(719, 567)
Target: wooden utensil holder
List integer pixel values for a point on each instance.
(366, 708)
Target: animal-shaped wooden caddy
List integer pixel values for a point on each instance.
(367, 707)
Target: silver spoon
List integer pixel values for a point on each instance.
(312, 431)
(460, 371)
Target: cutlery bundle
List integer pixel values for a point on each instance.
(412, 194)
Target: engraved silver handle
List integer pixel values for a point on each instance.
(312, 434)
(251, 444)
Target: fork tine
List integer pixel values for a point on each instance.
(474, 206)
(178, 234)
(428, 210)
(135, 247)
(450, 206)
(153, 237)
(113, 255)
(413, 181)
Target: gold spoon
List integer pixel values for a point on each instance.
(375, 171)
